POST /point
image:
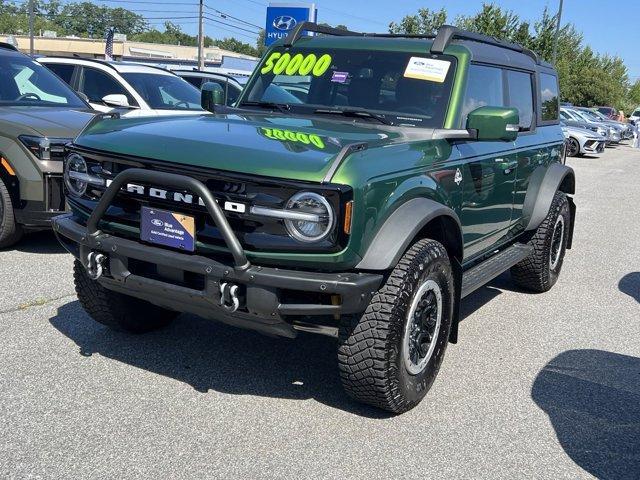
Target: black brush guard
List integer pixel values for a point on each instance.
(261, 308)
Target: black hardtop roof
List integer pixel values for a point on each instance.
(8, 48)
(483, 48)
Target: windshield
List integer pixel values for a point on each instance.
(589, 115)
(165, 92)
(26, 82)
(399, 87)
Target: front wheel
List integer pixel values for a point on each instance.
(115, 310)
(10, 231)
(573, 147)
(391, 355)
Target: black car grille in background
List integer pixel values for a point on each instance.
(254, 232)
(54, 193)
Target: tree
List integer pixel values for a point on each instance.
(425, 22)
(236, 46)
(586, 78)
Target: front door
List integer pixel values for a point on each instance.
(487, 200)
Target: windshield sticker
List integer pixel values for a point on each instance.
(340, 77)
(291, 136)
(427, 69)
(280, 63)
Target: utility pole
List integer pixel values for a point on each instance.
(555, 43)
(201, 38)
(32, 15)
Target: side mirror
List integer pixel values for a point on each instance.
(211, 95)
(116, 100)
(494, 123)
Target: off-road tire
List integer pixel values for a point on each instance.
(534, 273)
(10, 231)
(115, 310)
(372, 368)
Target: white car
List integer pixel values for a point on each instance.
(132, 89)
(581, 141)
(635, 117)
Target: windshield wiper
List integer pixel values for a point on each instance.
(282, 107)
(353, 113)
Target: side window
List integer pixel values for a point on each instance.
(63, 70)
(550, 97)
(484, 89)
(97, 84)
(195, 81)
(232, 95)
(521, 96)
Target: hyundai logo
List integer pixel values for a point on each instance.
(284, 22)
(157, 222)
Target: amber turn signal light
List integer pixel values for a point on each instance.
(348, 210)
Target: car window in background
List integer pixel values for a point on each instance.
(165, 92)
(97, 84)
(195, 81)
(521, 96)
(550, 97)
(63, 70)
(25, 82)
(484, 89)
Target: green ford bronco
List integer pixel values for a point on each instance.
(361, 186)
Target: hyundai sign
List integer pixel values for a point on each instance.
(283, 17)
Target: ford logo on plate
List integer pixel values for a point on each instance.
(284, 22)
(157, 222)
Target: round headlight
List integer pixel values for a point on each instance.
(75, 168)
(316, 218)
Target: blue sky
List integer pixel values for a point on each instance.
(608, 27)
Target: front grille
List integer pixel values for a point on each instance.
(254, 232)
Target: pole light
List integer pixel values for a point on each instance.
(555, 42)
(32, 15)
(201, 37)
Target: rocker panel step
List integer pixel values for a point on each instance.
(486, 271)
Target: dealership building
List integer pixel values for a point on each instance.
(171, 56)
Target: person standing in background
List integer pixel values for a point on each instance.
(621, 117)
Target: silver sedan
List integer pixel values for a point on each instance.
(581, 141)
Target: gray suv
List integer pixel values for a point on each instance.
(39, 114)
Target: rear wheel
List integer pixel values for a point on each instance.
(10, 231)
(115, 310)
(391, 355)
(540, 270)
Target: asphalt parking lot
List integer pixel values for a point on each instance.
(544, 386)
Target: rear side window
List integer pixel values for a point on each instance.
(521, 96)
(195, 81)
(98, 84)
(550, 97)
(484, 89)
(64, 71)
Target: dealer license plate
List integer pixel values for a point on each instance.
(168, 229)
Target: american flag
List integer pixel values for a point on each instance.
(108, 48)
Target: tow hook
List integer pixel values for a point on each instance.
(95, 265)
(229, 297)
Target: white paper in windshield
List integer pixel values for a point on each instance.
(428, 69)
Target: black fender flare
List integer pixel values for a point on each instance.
(544, 184)
(398, 231)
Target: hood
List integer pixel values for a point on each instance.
(279, 146)
(54, 122)
(578, 131)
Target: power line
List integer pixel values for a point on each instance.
(227, 15)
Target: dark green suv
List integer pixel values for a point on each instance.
(360, 188)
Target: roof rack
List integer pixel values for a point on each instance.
(8, 46)
(295, 34)
(446, 34)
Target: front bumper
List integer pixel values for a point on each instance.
(272, 300)
(38, 214)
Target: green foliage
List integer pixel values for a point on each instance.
(236, 46)
(586, 78)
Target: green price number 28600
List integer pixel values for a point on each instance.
(298, 64)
